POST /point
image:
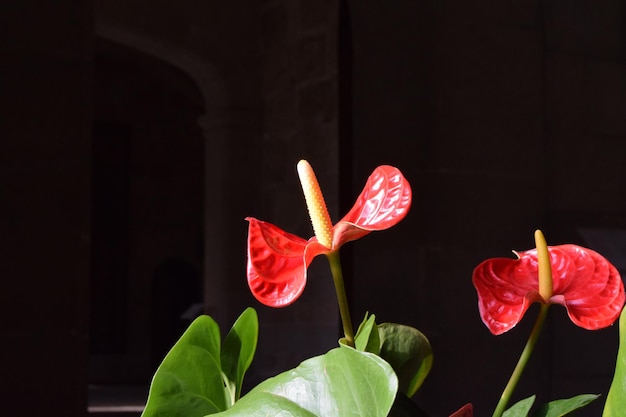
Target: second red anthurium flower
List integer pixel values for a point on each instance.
(278, 261)
(583, 281)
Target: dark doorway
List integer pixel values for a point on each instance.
(147, 206)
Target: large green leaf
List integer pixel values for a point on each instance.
(238, 351)
(520, 408)
(408, 352)
(559, 408)
(189, 383)
(616, 399)
(342, 382)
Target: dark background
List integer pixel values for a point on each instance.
(136, 136)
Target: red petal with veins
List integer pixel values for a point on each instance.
(506, 287)
(384, 201)
(277, 263)
(584, 282)
(591, 289)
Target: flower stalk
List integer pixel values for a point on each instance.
(323, 228)
(544, 272)
(522, 361)
(342, 298)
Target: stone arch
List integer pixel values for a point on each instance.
(202, 72)
(215, 124)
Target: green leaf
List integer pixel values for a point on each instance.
(408, 352)
(238, 351)
(367, 338)
(563, 407)
(342, 382)
(188, 383)
(616, 399)
(520, 408)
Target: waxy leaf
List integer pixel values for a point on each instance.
(342, 382)
(198, 377)
(559, 408)
(238, 350)
(367, 338)
(520, 408)
(189, 381)
(409, 353)
(616, 399)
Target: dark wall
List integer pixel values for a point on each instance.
(504, 119)
(44, 206)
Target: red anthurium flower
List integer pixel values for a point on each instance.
(278, 261)
(583, 281)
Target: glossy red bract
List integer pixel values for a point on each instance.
(589, 287)
(278, 260)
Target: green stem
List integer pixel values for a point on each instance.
(342, 299)
(521, 363)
